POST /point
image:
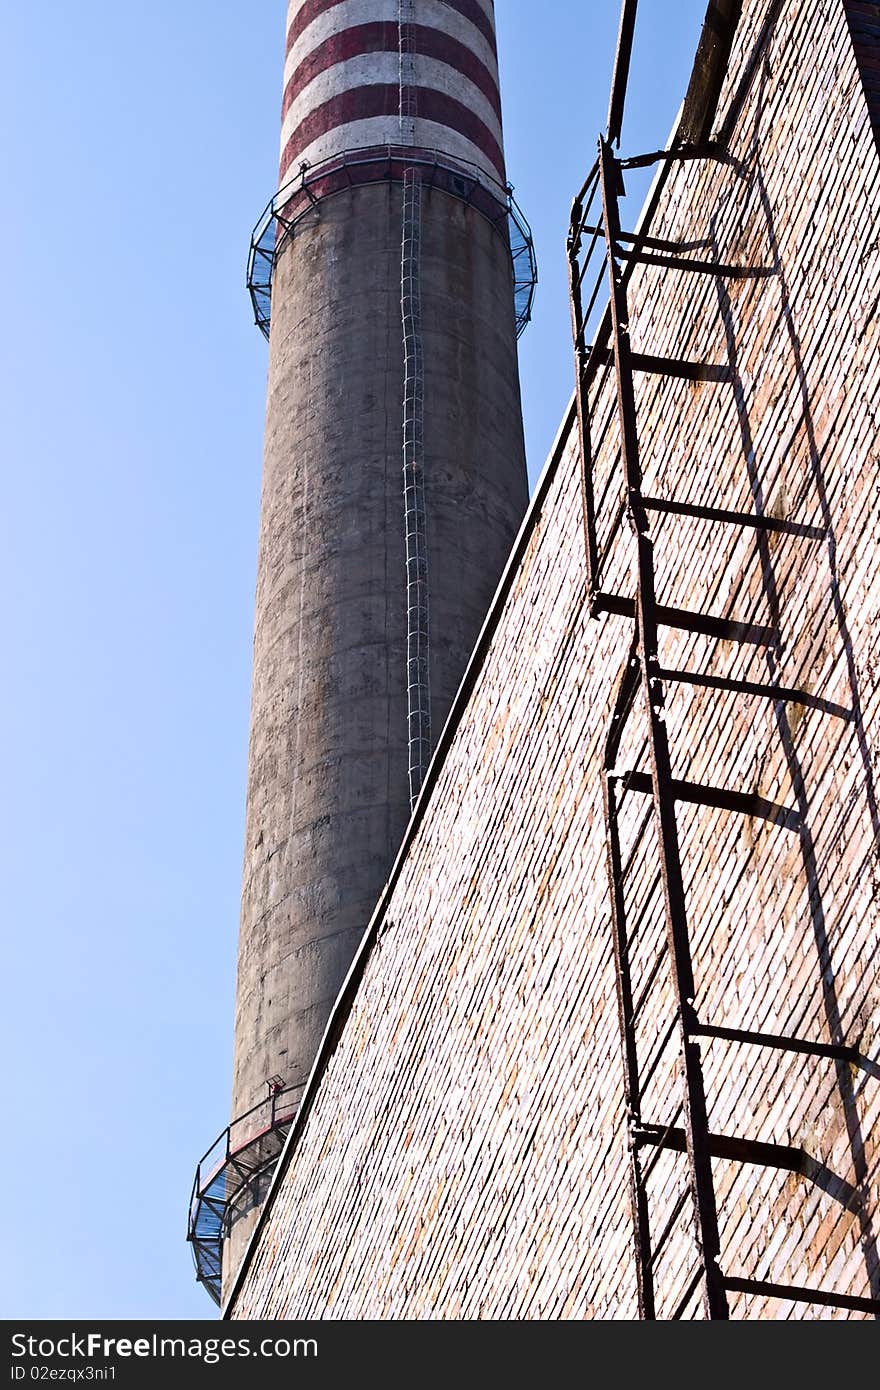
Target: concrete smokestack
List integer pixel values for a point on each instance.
(394, 483)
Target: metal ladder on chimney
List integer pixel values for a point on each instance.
(687, 1131)
(418, 663)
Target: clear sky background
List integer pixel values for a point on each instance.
(141, 145)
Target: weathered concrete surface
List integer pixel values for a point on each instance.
(328, 789)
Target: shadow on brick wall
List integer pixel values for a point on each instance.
(854, 1196)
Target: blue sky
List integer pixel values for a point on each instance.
(142, 145)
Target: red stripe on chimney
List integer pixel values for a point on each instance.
(383, 38)
(383, 99)
(468, 9)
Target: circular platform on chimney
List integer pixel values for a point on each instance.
(234, 1175)
(382, 164)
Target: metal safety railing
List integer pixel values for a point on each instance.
(381, 164)
(232, 1174)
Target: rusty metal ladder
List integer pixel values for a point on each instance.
(688, 1130)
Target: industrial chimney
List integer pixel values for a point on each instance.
(391, 274)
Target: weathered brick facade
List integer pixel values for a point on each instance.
(463, 1153)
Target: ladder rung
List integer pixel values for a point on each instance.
(787, 693)
(783, 1156)
(838, 1052)
(726, 1146)
(653, 243)
(724, 628)
(798, 1294)
(698, 793)
(707, 150)
(667, 261)
(668, 366)
(761, 523)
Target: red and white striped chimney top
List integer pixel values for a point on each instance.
(417, 73)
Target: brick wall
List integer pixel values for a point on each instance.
(464, 1153)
